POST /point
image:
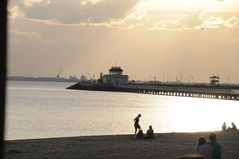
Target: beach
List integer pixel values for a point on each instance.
(164, 146)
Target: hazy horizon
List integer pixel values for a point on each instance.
(148, 38)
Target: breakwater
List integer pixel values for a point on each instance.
(226, 92)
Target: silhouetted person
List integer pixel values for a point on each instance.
(234, 126)
(215, 146)
(140, 134)
(204, 149)
(136, 123)
(224, 127)
(150, 133)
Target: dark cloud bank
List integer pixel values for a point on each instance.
(77, 11)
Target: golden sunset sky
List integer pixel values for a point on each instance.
(147, 38)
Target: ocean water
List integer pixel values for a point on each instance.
(48, 110)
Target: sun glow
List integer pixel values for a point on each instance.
(191, 5)
(199, 114)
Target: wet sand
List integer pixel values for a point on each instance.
(164, 146)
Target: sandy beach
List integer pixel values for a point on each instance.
(164, 146)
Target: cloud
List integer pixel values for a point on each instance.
(139, 12)
(90, 1)
(120, 14)
(31, 2)
(76, 11)
(232, 22)
(14, 12)
(121, 24)
(196, 21)
(216, 22)
(191, 21)
(18, 36)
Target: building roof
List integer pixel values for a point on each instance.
(215, 77)
(115, 69)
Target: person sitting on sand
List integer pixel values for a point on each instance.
(233, 126)
(136, 123)
(204, 149)
(150, 133)
(215, 146)
(140, 134)
(224, 127)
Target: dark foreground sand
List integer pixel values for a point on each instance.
(164, 146)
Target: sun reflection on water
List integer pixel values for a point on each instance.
(193, 114)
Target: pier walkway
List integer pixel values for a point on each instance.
(226, 92)
(215, 92)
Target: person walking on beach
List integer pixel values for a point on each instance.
(204, 149)
(136, 123)
(216, 152)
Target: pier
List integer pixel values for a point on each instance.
(197, 91)
(225, 92)
(116, 81)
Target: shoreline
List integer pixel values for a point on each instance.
(165, 145)
(105, 135)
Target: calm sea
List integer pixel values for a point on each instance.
(47, 109)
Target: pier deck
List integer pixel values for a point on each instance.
(226, 92)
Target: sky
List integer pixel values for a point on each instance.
(166, 40)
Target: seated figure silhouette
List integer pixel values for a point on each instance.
(224, 127)
(234, 126)
(140, 134)
(150, 133)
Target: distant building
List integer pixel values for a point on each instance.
(115, 76)
(214, 80)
